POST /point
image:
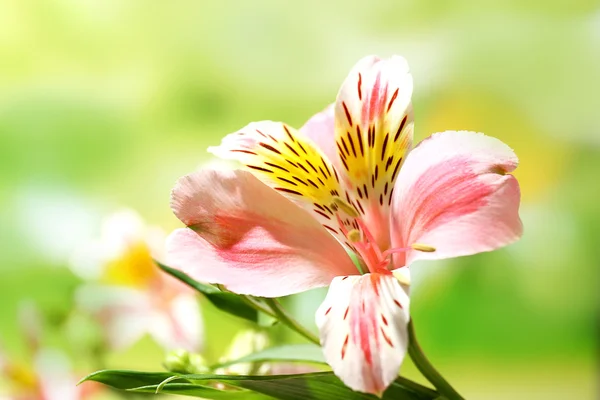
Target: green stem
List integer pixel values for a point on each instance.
(425, 367)
(257, 305)
(283, 316)
(251, 301)
(416, 387)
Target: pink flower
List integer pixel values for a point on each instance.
(46, 374)
(354, 185)
(129, 294)
(48, 378)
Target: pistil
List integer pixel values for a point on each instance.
(366, 247)
(365, 244)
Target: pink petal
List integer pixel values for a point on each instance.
(179, 325)
(373, 133)
(362, 323)
(249, 238)
(124, 313)
(454, 193)
(320, 128)
(56, 379)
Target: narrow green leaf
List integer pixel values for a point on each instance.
(123, 379)
(228, 302)
(317, 386)
(314, 386)
(205, 392)
(297, 387)
(160, 387)
(403, 385)
(308, 353)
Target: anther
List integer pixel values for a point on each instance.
(345, 207)
(423, 247)
(402, 275)
(353, 236)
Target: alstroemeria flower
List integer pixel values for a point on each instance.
(129, 294)
(46, 374)
(354, 184)
(48, 378)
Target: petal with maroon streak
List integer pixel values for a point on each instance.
(363, 328)
(292, 164)
(248, 237)
(455, 193)
(373, 134)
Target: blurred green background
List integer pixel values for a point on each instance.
(105, 103)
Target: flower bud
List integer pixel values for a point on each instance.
(184, 362)
(244, 343)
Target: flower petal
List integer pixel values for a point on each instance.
(374, 130)
(249, 238)
(290, 163)
(363, 326)
(56, 379)
(120, 229)
(320, 128)
(123, 312)
(179, 326)
(454, 194)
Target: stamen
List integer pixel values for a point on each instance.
(365, 230)
(415, 246)
(345, 207)
(369, 250)
(401, 277)
(389, 252)
(354, 235)
(423, 247)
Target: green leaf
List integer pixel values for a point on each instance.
(314, 386)
(308, 353)
(228, 302)
(402, 385)
(317, 386)
(123, 379)
(205, 392)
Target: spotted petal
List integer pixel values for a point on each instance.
(455, 193)
(293, 165)
(249, 238)
(374, 130)
(363, 328)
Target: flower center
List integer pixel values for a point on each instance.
(366, 246)
(134, 268)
